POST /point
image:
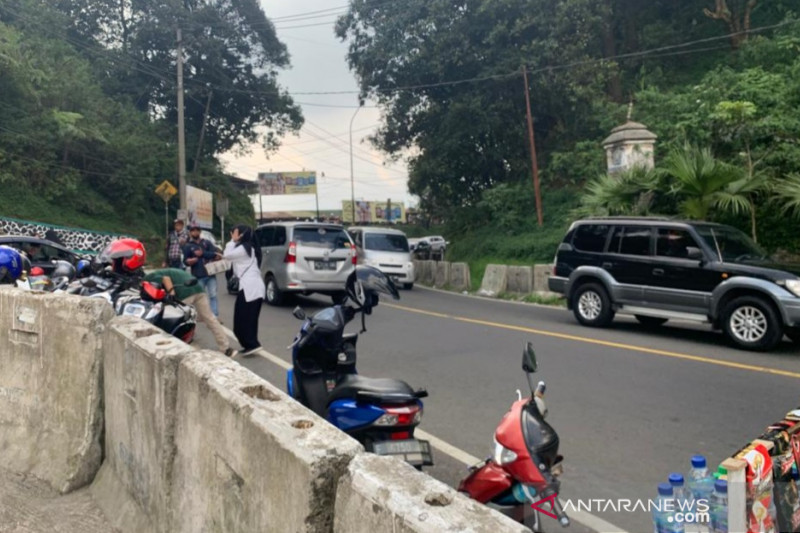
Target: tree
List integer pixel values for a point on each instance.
(738, 20)
(633, 192)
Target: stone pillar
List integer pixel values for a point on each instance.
(628, 146)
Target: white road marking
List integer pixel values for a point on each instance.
(586, 519)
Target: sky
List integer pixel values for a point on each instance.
(318, 63)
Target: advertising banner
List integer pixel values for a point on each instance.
(274, 183)
(372, 212)
(200, 207)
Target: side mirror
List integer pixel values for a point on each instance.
(298, 313)
(529, 364)
(694, 253)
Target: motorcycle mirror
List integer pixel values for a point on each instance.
(529, 363)
(298, 313)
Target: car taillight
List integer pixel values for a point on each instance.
(291, 254)
(406, 415)
(355, 257)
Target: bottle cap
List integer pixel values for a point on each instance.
(698, 461)
(664, 489)
(676, 479)
(721, 486)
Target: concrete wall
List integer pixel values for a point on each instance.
(51, 415)
(497, 279)
(520, 279)
(73, 238)
(384, 494)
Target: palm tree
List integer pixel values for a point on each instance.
(787, 194)
(628, 193)
(705, 183)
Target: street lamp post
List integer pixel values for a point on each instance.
(352, 180)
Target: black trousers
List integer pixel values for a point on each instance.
(245, 321)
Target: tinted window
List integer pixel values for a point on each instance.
(280, 236)
(674, 243)
(321, 237)
(385, 242)
(630, 240)
(730, 243)
(264, 235)
(590, 237)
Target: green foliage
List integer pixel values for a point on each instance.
(634, 192)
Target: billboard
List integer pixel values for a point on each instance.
(200, 207)
(273, 183)
(372, 212)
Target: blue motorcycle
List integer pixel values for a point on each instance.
(380, 413)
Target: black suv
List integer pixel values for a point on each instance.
(659, 268)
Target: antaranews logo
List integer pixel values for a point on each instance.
(684, 512)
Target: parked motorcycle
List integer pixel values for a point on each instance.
(379, 413)
(153, 304)
(521, 478)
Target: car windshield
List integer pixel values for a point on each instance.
(385, 242)
(321, 237)
(730, 243)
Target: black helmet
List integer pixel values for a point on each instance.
(364, 284)
(63, 269)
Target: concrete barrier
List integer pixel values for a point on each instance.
(520, 279)
(428, 276)
(495, 280)
(460, 276)
(140, 376)
(385, 494)
(541, 273)
(50, 386)
(249, 457)
(442, 277)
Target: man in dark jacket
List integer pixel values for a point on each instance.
(197, 253)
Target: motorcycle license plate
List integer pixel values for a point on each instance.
(416, 452)
(324, 265)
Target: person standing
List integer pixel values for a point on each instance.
(244, 253)
(178, 282)
(197, 253)
(177, 239)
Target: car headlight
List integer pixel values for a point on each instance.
(503, 455)
(792, 285)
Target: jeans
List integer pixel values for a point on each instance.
(210, 285)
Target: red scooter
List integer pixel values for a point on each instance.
(521, 478)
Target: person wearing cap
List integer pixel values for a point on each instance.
(178, 238)
(196, 253)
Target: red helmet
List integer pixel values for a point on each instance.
(124, 255)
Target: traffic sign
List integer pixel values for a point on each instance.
(166, 190)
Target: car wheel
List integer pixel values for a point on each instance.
(274, 294)
(752, 323)
(339, 298)
(651, 321)
(408, 286)
(592, 306)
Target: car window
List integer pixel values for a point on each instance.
(264, 235)
(730, 243)
(385, 242)
(590, 237)
(630, 240)
(674, 243)
(321, 237)
(280, 236)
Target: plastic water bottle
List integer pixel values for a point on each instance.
(701, 484)
(719, 507)
(664, 511)
(683, 498)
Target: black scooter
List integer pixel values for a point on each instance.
(153, 304)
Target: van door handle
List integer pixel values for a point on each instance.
(606, 266)
(658, 271)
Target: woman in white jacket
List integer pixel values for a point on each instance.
(244, 253)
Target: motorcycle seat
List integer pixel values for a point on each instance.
(386, 390)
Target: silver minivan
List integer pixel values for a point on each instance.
(387, 250)
(305, 257)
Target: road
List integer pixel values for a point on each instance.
(630, 405)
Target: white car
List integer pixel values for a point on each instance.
(437, 242)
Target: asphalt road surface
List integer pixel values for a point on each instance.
(630, 404)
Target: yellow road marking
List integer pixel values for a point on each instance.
(630, 347)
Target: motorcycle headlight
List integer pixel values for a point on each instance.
(154, 311)
(503, 455)
(792, 285)
(131, 309)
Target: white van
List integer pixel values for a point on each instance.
(385, 249)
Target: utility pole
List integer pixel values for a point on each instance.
(352, 180)
(534, 164)
(202, 134)
(181, 139)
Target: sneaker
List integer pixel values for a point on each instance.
(251, 351)
(230, 352)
